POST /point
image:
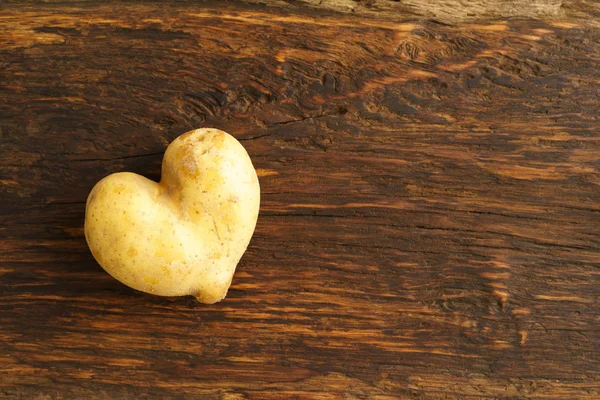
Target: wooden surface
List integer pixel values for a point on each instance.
(431, 203)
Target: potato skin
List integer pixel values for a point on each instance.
(185, 234)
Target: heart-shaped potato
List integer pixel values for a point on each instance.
(186, 234)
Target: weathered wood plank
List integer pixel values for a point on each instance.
(429, 225)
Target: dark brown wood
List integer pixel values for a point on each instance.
(430, 223)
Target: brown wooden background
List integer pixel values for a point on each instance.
(430, 178)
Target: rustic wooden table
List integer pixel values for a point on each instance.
(430, 223)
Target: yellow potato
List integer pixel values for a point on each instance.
(186, 234)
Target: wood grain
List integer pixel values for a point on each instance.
(430, 218)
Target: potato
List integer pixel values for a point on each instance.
(185, 234)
